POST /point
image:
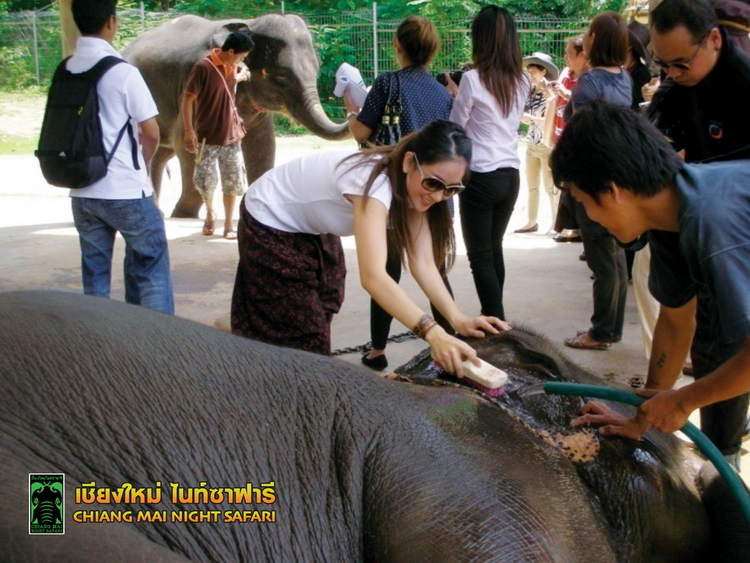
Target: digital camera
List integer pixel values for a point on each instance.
(454, 74)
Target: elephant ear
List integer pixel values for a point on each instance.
(226, 28)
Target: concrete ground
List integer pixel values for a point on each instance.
(547, 287)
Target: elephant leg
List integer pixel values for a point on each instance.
(259, 146)
(158, 163)
(190, 201)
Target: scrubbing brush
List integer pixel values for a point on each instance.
(486, 378)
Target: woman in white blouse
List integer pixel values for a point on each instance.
(489, 105)
(290, 278)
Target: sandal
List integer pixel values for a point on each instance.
(230, 235)
(208, 228)
(580, 344)
(615, 339)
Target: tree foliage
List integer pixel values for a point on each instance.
(439, 10)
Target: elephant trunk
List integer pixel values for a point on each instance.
(312, 115)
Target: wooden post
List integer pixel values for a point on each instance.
(69, 30)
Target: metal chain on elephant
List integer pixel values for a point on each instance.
(402, 337)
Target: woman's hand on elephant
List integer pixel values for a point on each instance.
(610, 422)
(190, 141)
(664, 410)
(477, 327)
(449, 351)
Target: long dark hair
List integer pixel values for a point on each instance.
(496, 52)
(435, 142)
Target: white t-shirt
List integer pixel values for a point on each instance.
(307, 195)
(494, 135)
(122, 92)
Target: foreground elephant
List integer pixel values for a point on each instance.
(284, 68)
(363, 468)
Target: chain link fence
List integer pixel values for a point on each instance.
(31, 45)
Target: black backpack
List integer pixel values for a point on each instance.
(71, 150)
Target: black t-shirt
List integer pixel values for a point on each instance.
(711, 118)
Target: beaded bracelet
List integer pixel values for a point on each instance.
(424, 325)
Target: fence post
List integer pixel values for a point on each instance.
(282, 7)
(375, 39)
(143, 18)
(36, 49)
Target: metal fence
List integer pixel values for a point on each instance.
(31, 46)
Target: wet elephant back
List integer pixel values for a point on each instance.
(643, 492)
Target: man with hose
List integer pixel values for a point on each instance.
(697, 217)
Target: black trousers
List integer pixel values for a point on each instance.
(724, 422)
(380, 320)
(606, 260)
(486, 206)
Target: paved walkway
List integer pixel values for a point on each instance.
(547, 287)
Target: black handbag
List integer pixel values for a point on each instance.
(388, 131)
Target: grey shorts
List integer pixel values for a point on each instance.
(231, 169)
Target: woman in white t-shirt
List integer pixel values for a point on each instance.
(489, 104)
(290, 279)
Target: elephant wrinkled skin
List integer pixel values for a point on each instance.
(284, 67)
(364, 468)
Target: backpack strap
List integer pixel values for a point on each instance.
(94, 74)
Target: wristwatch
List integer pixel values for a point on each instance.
(354, 113)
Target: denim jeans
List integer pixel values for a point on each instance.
(486, 206)
(148, 281)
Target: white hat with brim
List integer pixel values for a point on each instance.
(545, 61)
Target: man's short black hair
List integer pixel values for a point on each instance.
(239, 42)
(604, 144)
(698, 16)
(91, 15)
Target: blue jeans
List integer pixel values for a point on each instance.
(148, 281)
(486, 206)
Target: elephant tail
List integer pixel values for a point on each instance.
(729, 533)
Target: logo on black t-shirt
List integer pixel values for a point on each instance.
(715, 131)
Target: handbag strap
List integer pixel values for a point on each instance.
(394, 102)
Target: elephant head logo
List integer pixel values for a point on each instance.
(46, 503)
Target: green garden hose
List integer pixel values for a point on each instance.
(699, 438)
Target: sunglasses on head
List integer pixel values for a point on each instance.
(432, 184)
(682, 66)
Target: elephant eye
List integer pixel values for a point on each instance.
(281, 79)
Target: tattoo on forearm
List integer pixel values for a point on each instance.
(661, 361)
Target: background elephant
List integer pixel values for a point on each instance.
(364, 468)
(284, 68)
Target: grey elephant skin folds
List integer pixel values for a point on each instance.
(364, 468)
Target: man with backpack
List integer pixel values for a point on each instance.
(214, 129)
(122, 200)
